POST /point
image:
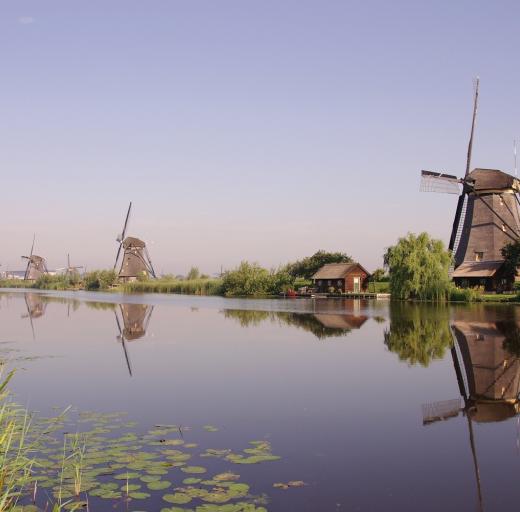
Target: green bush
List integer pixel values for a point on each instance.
(462, 294)
(100, 279)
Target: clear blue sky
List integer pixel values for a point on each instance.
(260, 130)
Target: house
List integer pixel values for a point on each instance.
(341, 278)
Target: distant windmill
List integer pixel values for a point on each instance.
(36, 265)
(70, 270)
(136, 318)
(136, 261)
(486, 219)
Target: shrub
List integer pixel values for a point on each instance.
(418, 268)
(100, 279)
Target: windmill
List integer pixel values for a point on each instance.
(36, 265)
(487, 367)
(70, 270)
(136, 261)
(136, 318)
(487, 217)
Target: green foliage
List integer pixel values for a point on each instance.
(57, 282)
(200, 286)
(462, 294)
(511, 254)
(308, 266)
(250, 279)
(100, 279)
(378, 275)
(419, 333)
(247, 279)
(194, 273)
(418, 268)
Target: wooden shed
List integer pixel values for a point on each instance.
(341, 278)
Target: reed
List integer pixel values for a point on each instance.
(188, 286)
(15, 463)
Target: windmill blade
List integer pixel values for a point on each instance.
(439, 182)
(470, 145)
(458, 223)
(441, 411)
(29, 314)
(32, 246)
(125, 226)
(123, 342)
(151, 269)
(68, 260)
(118, 254)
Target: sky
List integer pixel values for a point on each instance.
(260, 130)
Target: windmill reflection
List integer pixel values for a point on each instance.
(133, 325)
(35, 308)
(486, 360)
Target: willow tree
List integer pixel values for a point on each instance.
(418, 267)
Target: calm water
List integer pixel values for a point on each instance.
(362, 400)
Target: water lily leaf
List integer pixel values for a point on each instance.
(226, 476)
(139, 495)
(193, 469)
(159, 485)
(130, 487)
(178, 498)
(210, 428)
(150, 478)
(191, 481)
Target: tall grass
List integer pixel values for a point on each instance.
(186, 286)
(15, 463)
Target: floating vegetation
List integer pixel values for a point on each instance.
(288, 485)
(88, 459)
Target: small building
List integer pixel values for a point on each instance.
(486, 274)
(341, 278)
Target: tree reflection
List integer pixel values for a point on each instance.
(322, 325)
(418, 333)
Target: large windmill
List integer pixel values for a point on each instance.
(36, 265)
(136, 261)
(70, 270)
(486, 219)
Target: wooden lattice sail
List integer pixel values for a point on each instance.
(136, 261)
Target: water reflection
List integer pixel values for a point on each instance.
(418, 333)
(485, 357)
(135, 321)
(322, 325)
(35, 309)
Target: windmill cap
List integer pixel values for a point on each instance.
(492, 179)
(131, 241)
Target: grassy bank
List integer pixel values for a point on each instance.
(185, 286)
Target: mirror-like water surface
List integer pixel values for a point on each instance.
(374, 406)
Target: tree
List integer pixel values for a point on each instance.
(418, 268)
(247, 279)
(194, 273)
(378, 274)
(308, 266)
(511, 254)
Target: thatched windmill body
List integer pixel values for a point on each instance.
(36, 265)
(136, 261)
(486, 219)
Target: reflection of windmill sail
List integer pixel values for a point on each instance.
(35, 308)
(136, 318)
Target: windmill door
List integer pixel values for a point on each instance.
(357, 285)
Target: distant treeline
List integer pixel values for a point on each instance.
(248, 279)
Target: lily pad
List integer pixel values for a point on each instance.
(178, 498)
(194, 469)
